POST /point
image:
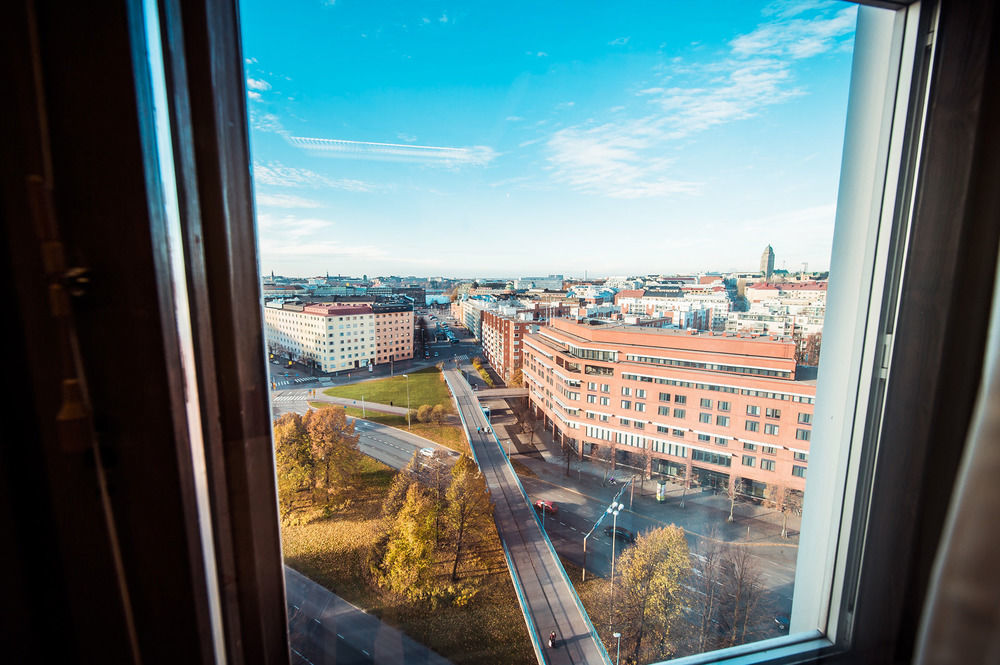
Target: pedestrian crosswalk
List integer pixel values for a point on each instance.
(289, 397)
(288, 382)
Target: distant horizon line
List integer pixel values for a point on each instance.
(565, 277)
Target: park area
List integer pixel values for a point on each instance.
(426, 386)
(418, 549)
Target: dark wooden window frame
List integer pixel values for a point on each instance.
(112, 497)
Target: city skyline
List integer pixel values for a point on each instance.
(427, 140)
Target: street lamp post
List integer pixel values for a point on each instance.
(613, 510)
(618, 656)
(407, 377)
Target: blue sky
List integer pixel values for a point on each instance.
(504, 139)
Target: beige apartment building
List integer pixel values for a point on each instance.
(340, 336)
(329, 337)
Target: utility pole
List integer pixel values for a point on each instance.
(613, 510)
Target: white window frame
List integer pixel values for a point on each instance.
(870, 206)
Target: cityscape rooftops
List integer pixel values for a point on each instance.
(665, 338)
(326, 309)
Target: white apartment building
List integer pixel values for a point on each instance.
(552, 283)
(796, 310)
(329, 336)
(699, 307)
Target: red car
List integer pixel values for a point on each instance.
(547, 506)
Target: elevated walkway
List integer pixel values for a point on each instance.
(501, 392)
(547, 597)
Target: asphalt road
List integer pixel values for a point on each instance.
(388, 445)
(577, 513)
(547, 593)
(395, 447)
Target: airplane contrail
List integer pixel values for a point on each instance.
(476, 155)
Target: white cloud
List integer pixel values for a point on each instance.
(789, 8)
(258, 84)
(621, 41)
(279, 175)
(289, 236)
(265, 122)
(797, 37)
(739, 93)
(443, 19)
(253, 95)
(621, 161)
(409, 138)
(630, 159)
(397, 152)
(285, 201)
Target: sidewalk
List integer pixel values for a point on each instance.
(705, 514)
(371, 406)
(319, 619)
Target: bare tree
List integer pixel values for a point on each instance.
(793, 505)
(777, 496)
(646, 460)
(732, 490)
(743, 590)
(707, 584)
(604, 452)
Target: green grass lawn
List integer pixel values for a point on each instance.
(447, 435)
(427, 386)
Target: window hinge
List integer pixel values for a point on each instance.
(886, 353)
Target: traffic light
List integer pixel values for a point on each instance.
(289, 363)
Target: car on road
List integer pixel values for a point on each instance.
(427, 452)
(547, 506)
(782, 621)
(620, 533)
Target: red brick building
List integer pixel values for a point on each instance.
(708, 408)
(503, 338)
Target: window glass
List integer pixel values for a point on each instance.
(392, 142)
